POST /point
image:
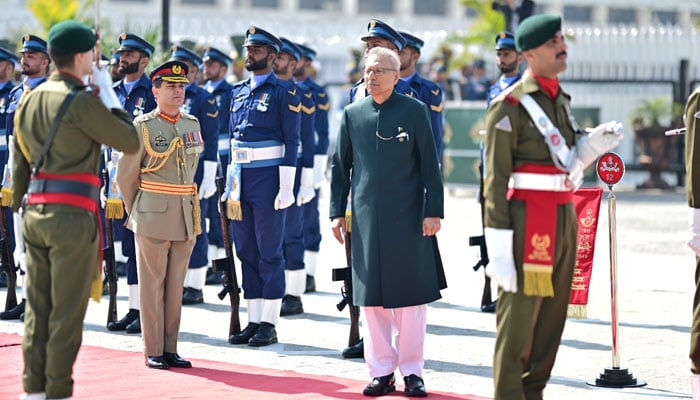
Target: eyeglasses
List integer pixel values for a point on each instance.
(378, 71)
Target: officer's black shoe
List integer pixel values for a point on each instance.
(121, 268)
(310, 284)
(175, 361)
(245, 335)
(131, 316)
(134, 327)
(356, 351)
(192, 296)
(489, 308)
(21, 317)
(15, 312)
(291, 305)
(414, 386)
(157, 362)
(213, 277)
(380, 386)
(3, 279)
(265, 335)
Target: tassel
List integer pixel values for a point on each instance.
(348, 221)
(96, 286)
(577, 311)
(6, 199)
(233, 210)
(537, 283)
(197, 215)
(114, 209)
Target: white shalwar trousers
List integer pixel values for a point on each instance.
(393, 338)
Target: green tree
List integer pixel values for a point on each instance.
(479, 37)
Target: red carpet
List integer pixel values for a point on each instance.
(99, 372)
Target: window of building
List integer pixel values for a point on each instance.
(434, 7)
(622, 16)
(578, 14)
(265, 3)
(375, 6)
(327, 5)
(666, 17)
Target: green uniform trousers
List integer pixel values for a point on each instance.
(62, 243)
(695, 325)
(529, 328)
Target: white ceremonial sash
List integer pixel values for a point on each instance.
(561, 154)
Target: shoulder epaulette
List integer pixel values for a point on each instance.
(188, 116)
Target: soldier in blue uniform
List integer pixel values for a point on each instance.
(428, 91)
(265, 124)
(136, 95)
(312, 229)
(114, 66)
(216, 64)
(8, 59)
(35, 67)
(202, 105)
(508, 60)
(295, 276)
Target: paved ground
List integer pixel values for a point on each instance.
(655, 287)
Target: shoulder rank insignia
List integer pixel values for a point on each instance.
(212, 101)
(322, 94)
(435, 92)
(437, 108)
(296, 108)
(504, 124)
(308, 110)
(308, 95)
(324, 107)
(292, 92)
(213, 115)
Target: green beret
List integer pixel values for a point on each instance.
(70, 36)
(536, 30)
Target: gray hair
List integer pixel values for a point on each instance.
(384, 53)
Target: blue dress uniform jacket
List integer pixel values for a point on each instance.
(137, 102)
(499, 86)
(202, 105)
(294, 222)
(4, 111)
(431, 94)
(271, 111)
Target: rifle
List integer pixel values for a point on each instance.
(7, 261)
(481, 240)
(227, 265)
(110, 262)
(345, 275)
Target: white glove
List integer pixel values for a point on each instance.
(501, 268)
(599, 140)
(306, 189)
(103, 80)
(208, 186)
(694, 242)
(320, 163)
(285, 197)
(103, 196)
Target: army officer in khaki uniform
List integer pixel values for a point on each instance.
(161, 200)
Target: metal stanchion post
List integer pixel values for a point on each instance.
(611, 168)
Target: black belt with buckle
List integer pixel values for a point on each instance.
(63, 186)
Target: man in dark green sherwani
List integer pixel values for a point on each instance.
(531, 230)
(61, 221)
(386, 153)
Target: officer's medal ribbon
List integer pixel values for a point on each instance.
(232, 192)
(6, 192)
(3, 106)
(114, 206)
(264, 102)
(138, 108)
(194, 144)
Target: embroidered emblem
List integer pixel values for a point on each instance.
(540, 246)
(160, 140)
(504, 124)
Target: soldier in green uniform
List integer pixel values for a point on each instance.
(57, 185)
(160, 196)
(386, 153)
(531, 231)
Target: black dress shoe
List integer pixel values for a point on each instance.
(15, 312)
(21, 317)
(192, 296)
(414, 386)
(265, 335)
(245, 335)
(380, 386)
(310, 284)
(291, 305)
(356, 351)
(213, 277)
(175, 361)
(157, 362)
(489, 308)
(120, 325)
(134, 327)
(120, 267)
